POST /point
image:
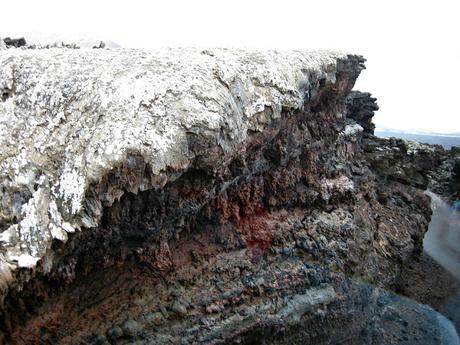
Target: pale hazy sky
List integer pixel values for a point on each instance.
(412, 47)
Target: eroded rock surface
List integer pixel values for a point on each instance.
(360, 107)
(66, 124)
(203, 197)
(445, 179)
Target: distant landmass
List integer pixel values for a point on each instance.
(446, 140)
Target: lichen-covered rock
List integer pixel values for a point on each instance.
(67, 118)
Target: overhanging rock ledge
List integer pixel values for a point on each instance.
(68, 117)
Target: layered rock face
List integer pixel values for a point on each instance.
(217, 196)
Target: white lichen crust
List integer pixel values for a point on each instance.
(68, 117)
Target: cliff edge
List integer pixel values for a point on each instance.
(211, 196)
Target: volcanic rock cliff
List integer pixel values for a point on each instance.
(188, 196)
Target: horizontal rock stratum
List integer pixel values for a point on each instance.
(69, 117)
(212, 196)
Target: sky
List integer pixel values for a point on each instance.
(412, 47)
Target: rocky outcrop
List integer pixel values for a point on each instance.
(408, 162)
(360, 107)
(412, 163)
(445, 179)
(165, 109)
(203, 196)
(420, 165)
(14, 42)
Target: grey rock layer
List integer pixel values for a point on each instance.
(68, 117)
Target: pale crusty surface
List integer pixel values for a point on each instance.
(69, 116)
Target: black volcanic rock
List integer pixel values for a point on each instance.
(360, 106)
(446, 178)
(405, 161)
(15, 42)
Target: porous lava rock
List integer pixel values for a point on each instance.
(212, 196)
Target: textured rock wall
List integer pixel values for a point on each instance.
(201, 196)
(66, 124)
(360, 107)
(445, 179)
